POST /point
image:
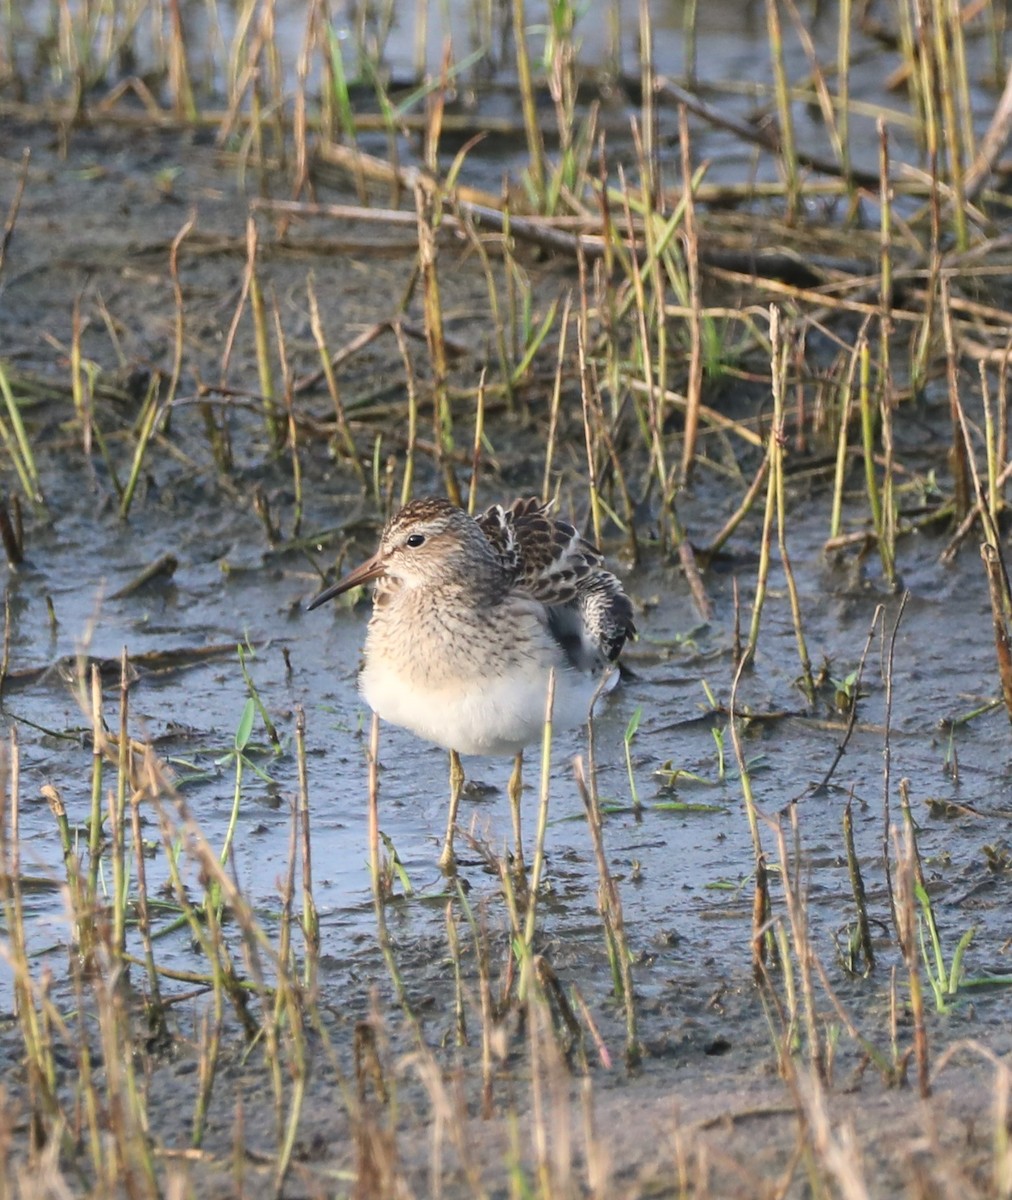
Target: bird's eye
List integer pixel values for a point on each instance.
(414, 540)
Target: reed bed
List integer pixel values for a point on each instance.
(647, 331)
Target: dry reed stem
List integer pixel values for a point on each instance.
(804, 953)
(998, 594)
(538, 862)
(44, 1106)
(836, 1150)
(777, 438)
(999, 589)
(327, 368)
(442, 415)
(754, 133)
(609, 903)
(16, 442)
(14, 207)
(377, 875)
(525, 86)
(888, 679)
(763, 567)
(855, 696)
(906, 910)
(694, 384)
(761, 900)
(586, 393)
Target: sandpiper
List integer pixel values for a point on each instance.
(470, 617)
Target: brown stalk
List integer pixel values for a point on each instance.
(765, 542)
(202, 925)
(306, 383)
(300, 118)
(442, 415)
(609, 902)
(947, 46)
(479, 433)
(785, 134)
(327, 370)
(754, 133)
(288, 1016)
(889, 681)
(694, 385)
(258, 312)
(999, 589)
(762, 914)
(163, 567)
(291, 425)
(998, 593)
(586, 386)
(618, 475)
(80, 380)
(41, 1069)
(525, 85)
(827, 109)
(411, 442)
(711, 416)
(499, 325)
(655, 395)
(777, 439)
(975, 514)
(92, 704)
(157, 1026)
(207, 1066)
(647, 154)
(376, 870)
(13, 544)
(762, 940)
(845, 392)
(14, 207)
(841, 749)
(797, 915)
(459, 1007)
(179, 86)
(906, 917)
(740, 513)
(992, 144)
(310, 917)
(553, 409)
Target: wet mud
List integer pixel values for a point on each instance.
(707, 1108)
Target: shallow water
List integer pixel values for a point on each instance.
(686, 873)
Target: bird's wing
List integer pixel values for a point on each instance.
(587, 609)
(546, 556)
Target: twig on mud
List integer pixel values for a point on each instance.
(998, 593)
(890, 655)
(967, 523)
(306, 383)
(757, 135)
(12, 212)
(163, 567)
(821, 786)
(991, 144)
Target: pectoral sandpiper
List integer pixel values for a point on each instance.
(470, 617)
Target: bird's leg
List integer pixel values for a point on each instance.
(516, 787)
(448, 860)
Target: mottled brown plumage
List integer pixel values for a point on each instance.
(471, 615)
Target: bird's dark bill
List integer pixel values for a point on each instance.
(370, 569)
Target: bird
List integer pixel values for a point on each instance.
(471, 616)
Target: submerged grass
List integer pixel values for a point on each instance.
(668, 291)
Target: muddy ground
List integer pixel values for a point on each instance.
(708, 1112)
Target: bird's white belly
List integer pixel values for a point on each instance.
(497, 714)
